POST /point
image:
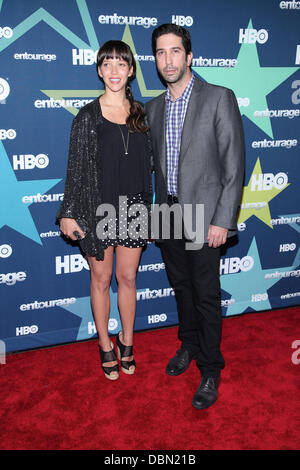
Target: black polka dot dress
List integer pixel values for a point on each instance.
(124, 174)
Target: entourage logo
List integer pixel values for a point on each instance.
(288, 143)
(251, 36)
(51, 103)
(286, 220)
(151, 267)
(36, 305)
(42, 198)
(209, 62)
(146, 22)
(10, 279)
(277, 113)
(291, 5)
(4, 90)
(33, 56)
(149, 294)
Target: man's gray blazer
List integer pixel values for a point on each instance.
(211, 160)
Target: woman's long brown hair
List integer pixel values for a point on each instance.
(120, 50)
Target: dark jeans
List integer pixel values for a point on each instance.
(194, 276)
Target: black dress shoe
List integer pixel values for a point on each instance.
(206, 394)
(179, 363)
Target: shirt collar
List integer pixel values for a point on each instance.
(185, 95)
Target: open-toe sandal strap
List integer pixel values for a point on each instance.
(108, 356)
(109, 369)
(126, 351)
(127, 364)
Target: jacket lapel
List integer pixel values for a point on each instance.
(189, 121)
(160, 132)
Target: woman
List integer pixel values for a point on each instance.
(109, 157)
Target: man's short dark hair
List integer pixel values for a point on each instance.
(173, 29)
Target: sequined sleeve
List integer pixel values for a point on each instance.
(78, 149)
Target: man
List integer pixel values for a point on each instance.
(198, 148)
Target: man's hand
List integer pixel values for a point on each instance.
(68, 226)
(216, 236)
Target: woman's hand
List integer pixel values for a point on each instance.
(68, 226)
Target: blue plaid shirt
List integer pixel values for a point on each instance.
(175, 114)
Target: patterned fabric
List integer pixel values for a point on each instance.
(124, 223)
(82, 194)
(175, 114)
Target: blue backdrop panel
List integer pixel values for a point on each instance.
(47, 73)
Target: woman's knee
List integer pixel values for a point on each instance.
(126, 278)
(101, 282)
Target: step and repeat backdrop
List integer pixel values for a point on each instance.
(47, 73)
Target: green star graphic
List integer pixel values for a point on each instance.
(255, 201)
(249, 80)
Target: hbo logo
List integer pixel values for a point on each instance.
(28, 162)
(157, 318)
(5, 251)
(243, 102)
(234, 265)
(259, 297)
(4, 89)
(267, 181)
(182, 20)
(112, 324)
(6, 32)
(251, 36)
(7, 134)
(27, 330)
(287, 247)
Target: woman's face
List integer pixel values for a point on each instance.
(115, 73)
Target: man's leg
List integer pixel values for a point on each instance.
(178, 272)
(204, 267)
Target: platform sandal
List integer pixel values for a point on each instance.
(109, 356)
(123, 352)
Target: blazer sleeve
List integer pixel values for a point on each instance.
(230, 139)
(78, 149)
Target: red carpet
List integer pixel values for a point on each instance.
(58, 398)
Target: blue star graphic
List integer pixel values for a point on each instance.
(244, 286)
(82, 308)
(14, 212)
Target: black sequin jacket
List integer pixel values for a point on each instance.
(82, 193)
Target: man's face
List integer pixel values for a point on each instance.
(171, 59)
